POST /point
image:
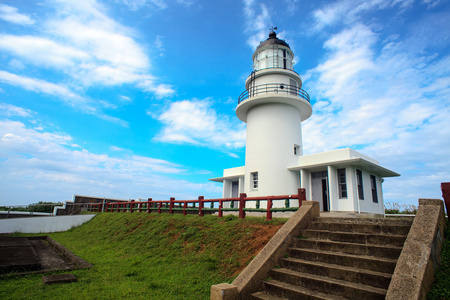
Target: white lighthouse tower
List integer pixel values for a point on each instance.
(273, 106)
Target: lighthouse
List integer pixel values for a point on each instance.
(274, 105)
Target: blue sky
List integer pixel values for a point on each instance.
(130, 99)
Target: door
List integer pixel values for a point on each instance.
(234, 189)
(325, 194)
(319, 189)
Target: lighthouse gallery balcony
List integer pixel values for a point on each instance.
(273, 88)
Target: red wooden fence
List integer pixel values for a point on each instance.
(199, 205)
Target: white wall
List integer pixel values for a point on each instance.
(367, 205)
(42, 224)
(272, 131)
(348, 204)
(305, 182)
(333, 191)
(332, 157)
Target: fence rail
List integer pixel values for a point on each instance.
(200, 205)
(273, 88)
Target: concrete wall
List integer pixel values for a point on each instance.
(42, 224)
(421, 255)
(249, 280)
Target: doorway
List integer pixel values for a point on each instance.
(234, 189)
(319, 188)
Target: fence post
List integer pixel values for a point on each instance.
(159, 207)
(100, 207)
(118, 206)
(131, 206)
(220, 208)
(200, 205)
(184, 208)
(149, 204)
(445, 187)
(269, 209)
(242, 197)
(301, 196)
(139, 206)
(171, 203)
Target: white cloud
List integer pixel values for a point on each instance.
(159, 44)
(80, 40)
(185, 2)
(11, 14)
(350, 55)
(16, 64)
(8, 110)
(61, 92)
(389, 101)
(432, 3)
(125, 98)
(350, 11)
(42, 51)
(43, 165)
(41, 86)
(257, 22)
(161, 90)
(138, 4)
(195, 122)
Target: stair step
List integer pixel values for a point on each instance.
(367, 277)
(378, 264)
(374, 221)
(375, 228)
(359, 238)
(265, 296)
(385, 251)
(289, 291)
(327, 285)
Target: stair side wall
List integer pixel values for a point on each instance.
(421, 254)
(249, 280)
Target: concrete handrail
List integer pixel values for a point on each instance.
(249, 280)
(421, 254)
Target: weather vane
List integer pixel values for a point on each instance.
(273, 28)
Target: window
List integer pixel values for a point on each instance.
(296, 150)
(342, 183)
(254, 176)
(359, 182)
(373, 183)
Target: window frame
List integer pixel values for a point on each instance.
(296, 150)
(360, 184)
(342, 183)
(373, 185)
(254, 181)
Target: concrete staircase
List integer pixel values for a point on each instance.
(339, 258)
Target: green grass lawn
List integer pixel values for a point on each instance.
(149, 256)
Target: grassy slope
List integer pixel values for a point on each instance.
(150, 256)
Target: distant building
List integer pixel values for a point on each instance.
(273, 106)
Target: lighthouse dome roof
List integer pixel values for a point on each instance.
(273, 40)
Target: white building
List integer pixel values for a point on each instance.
(273, 106)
